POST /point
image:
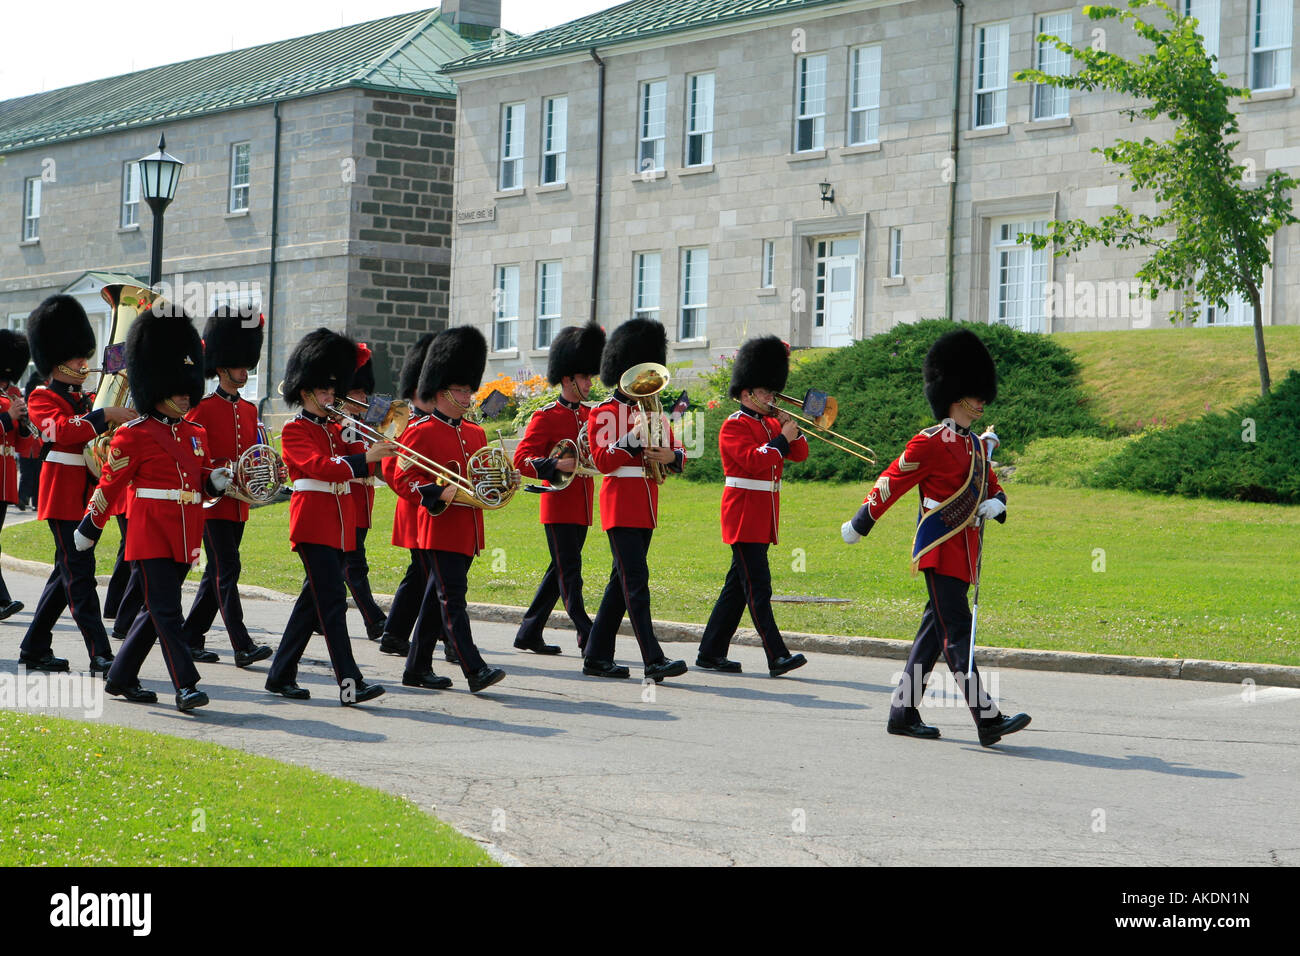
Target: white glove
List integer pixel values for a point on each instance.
(849, 535)
(81, 541)
(991, 508)
(221, 478)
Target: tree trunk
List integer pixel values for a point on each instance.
(1265, 383)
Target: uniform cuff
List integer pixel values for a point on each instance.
(545, 468)
(6, 423)
(679, 461)
(98, 420)
(781, 445)
(1002, 497)
(88, 528)
(862, 521)
(360, 467)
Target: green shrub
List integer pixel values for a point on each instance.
(1061, 462)
(526, 408)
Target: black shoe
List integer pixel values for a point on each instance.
(664, 668)
(783, 665)
(428, 680)
(994, 731)
(918, 730)
(717, 664)
(595, 668)
(485, 677)
(394, 645)
(201, 655)
(290, 690)
(449, 654)
(260, 652)
(187, 698)
(134, 692)
(46, 662)
(377, 632)
(119, 635)
(537, 646)
(10, 609)
(100, 665)
(361, 693)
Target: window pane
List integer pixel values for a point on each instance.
(1206, 13)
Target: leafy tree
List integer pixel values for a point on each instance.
(1209, 237)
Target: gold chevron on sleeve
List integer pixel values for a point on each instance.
(905, 465)
(882, 485)
(98, 503)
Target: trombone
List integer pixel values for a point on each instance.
(819, 425)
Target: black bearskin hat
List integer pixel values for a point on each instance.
(760, 363)
(633, 342)
(958, 365)
(14, 355)
(164, 357)
(231, 339)
(409, 378)
(456, 357)
(320, 360)
(575, 351)
(57, 331)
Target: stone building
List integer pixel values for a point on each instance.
(817, 169)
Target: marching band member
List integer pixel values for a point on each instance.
(232, 346)
(356, 570)
(565, 514)
(166, 459)
(754, 447)
(396, 638)
(451, 533)
(629, 504)
(61, 341)
(322, 527)
(15, 437)
(957, 485)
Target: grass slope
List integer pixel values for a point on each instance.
(78, 794)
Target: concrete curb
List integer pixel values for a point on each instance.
(1227, 672)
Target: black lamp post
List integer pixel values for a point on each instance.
(159, 174)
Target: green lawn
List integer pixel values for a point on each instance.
(1181, 578)
(79, 794)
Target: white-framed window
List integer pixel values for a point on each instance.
(131, 193)
(699, 119)
(1018, 276)
(512, 146)
(1238, 312)
(652, 126)
(695, 294)
(31, 208)
(1051, 102)
(548, 303)
(810, 112)
(1270, 45)
(645, 286)
(895, 252)
(246, 298)
(864, 95)
(555, 138)
(991, 43)
(505, 321)
(239, 177)
(767, 270)
(1206, 14)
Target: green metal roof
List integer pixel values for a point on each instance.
(400, 54)
(636, 20)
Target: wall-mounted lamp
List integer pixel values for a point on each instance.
(828, 193)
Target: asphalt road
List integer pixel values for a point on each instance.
(556, 768)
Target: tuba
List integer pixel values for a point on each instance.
(644, 382)
(128, 300)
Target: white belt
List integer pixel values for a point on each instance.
(627, 471)
(930, 503)
(170, 494)
(753, 484)
(64, 458)
(362, 481)
(329, 487)
(11, 452)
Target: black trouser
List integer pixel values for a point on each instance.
(406, 600)
(29, 480)
(945, 629)
(129, 607)
(357, 574)
(443, 614)
(5, 597)
(563, 579)
(119, 580)
(160, 619)
(628, 591)
(219, 587)
(749, 582)
(322, 600)
(70, 585)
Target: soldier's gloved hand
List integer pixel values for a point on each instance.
(991, 509)
(221, 478)
(849, 534)
(85, 535)
(82, 542)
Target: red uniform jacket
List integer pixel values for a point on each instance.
(627, 498)
(753, 449)
(62, 414)
(939, 460)
(161, 454)
(14, 441)
(231, 424)
(449, 442)
(406, 515)
(321, 511)
(549, 425)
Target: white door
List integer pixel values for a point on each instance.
(837, 275)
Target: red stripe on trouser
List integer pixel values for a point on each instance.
(627, 598)
(157, 634)
(559, 568)
(448, 632)
(749, 598)
(311, 583)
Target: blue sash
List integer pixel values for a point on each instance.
(953, 515)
